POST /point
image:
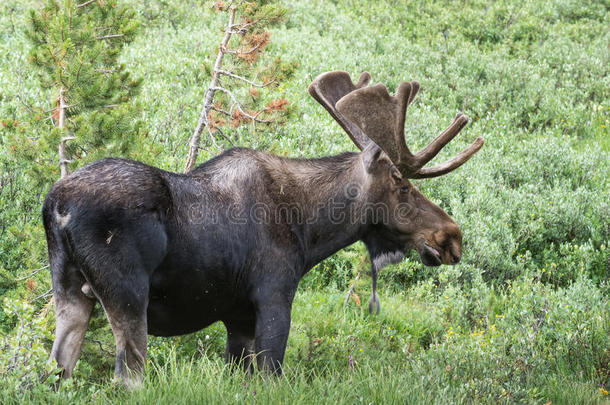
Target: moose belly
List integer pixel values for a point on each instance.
(171, 317)
(189, 302)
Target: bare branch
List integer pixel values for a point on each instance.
(43, 295)
(106, 70)
(251, 83)
(238, 52)
(243, 26)
(225, 136)
(102, 347)
(212, 137)
(239, 107)
(110, 36)
(85, 3)
(353, 287)
(220, 110)
(32, 273)
(55, 108)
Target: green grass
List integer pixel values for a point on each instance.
(425, 347)
(525, 318)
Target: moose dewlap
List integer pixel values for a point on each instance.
(168, 254)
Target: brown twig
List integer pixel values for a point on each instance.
(353, 286)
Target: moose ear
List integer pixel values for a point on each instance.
(371, 156)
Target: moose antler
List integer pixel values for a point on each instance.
(330, 87)
(382, 117)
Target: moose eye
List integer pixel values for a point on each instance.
(404, 189)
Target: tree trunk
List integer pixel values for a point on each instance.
(63, 158)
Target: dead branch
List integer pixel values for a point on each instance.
(43, 295)
(225, 136)
(220, 110)
(32, 273)
(110, 36)
(85, 3)
(239, 107)
(353, 286)
(351, 289)
(212, 138)
(251, 83)
(238, 52)
(107, 352)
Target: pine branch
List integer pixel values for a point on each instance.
(255, 42)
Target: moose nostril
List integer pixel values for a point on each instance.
(455, 259)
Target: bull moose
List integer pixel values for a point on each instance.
(168, 254)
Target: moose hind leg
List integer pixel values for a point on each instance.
(130, 335)
(72, 312)
(125, 305)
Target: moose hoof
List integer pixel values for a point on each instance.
(374, 305)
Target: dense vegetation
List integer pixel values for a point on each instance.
(524, 318)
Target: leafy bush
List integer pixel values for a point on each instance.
(23, 358)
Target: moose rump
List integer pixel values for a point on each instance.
(105, 240)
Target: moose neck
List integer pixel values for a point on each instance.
(331, 193)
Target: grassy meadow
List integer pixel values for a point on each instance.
(525, 316)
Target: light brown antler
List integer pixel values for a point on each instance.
(330, 87)
(382, 117)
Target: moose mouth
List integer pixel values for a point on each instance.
(429, 255)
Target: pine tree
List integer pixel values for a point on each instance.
(75, 51)
(237, 66)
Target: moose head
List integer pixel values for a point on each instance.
(375, 121)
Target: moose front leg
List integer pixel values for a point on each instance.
(271, 333)
(240, 343)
